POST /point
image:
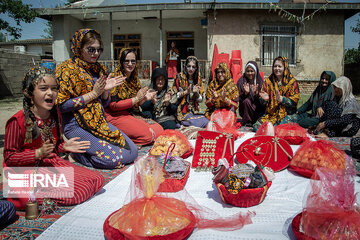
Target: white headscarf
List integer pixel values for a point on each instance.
(347, 101)
(253, 67)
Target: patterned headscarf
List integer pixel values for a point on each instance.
(131, 86)
(288, 88)
(347, 101)
(228, 84)
(30, 80)
(75, 78)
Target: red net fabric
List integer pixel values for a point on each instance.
(183, 147)
(266, 129)
(313, 154)
(224, 121)
(292, 133)
(330, 210)
(150, 215)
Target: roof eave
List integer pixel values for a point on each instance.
(47, 13)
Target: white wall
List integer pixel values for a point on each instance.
(64, 28)
(150, 35)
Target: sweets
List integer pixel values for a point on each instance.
(163, 143)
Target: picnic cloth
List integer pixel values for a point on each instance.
(272, 221)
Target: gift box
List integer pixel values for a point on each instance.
(268, 151)
(210, 147)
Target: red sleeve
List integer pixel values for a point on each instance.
(121, 105)
(14, 154)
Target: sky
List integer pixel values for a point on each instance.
(36, 29)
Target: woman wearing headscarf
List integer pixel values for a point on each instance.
(161, 108)
(279, 93)
(83, 91)
(222, 92)
(189, 90)
(341, 116)
(123, 111)
(249, 85)
(321, 94)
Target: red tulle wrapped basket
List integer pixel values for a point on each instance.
(174, 184)
(247, 197)
(301, 171)
(293, 133)
(115, 234)
(295, 226)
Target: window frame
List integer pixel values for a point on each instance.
(278, 34)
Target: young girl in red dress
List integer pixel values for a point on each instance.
(33, 138)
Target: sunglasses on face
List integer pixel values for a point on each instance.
(129, 61)
(93, 50)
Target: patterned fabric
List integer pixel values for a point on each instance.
(129, 88)
(186, 104)
(228, 86)
(288, 88)
(347, 102)
(7, 213)
(86, 182)
(75, 78)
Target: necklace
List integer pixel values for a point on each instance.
(257, 152)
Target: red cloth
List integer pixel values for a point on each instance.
(171, 68)
(17, 153)
(139, 131)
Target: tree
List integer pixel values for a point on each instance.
(353, 55)
(19, 12)
(48, 30)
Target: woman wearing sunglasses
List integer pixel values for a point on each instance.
(124, 111)
(189, 90)
(83, 91)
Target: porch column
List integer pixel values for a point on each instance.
(161, 43)
(111, 40)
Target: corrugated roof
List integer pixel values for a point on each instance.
(28, 41)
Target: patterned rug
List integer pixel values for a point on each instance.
(30, 229)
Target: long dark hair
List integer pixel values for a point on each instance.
(196, 73)
(123, 55)
(31, 79)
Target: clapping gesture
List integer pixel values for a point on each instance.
(279, 98)
(264, 96)
(75, 146)
(246, 88)
(113, 82)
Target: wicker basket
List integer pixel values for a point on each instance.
(246, 197)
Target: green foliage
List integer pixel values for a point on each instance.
(48, 30)
(356, 29)
(352, 56)
(19, 12)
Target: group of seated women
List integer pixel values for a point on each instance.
(106, 117)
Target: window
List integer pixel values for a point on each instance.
(127, 41)
(278, 41)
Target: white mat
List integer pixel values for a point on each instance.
(272, 220)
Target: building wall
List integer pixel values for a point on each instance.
(320, 46)
(64, 28)
(13, 67)
(150, 35)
